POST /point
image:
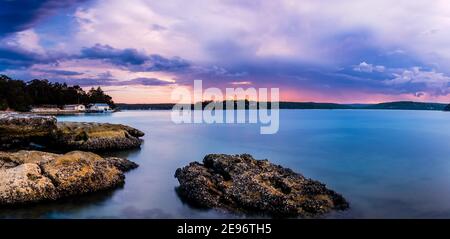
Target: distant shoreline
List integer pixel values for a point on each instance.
(398, 105)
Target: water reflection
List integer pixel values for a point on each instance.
(129, 153)
(53, 209)
(387, 164)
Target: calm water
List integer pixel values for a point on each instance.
(388, 164)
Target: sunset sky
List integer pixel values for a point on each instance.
(313, 50)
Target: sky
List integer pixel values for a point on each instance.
(138, 51)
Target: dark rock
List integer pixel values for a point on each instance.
(122, 164)
(242, 184)
(33, 176)
(96, 136)
(18, 130)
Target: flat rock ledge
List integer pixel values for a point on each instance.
(35, 176)
(96, 136)
(18, 130)
(239, 183)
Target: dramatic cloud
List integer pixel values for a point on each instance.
(114, 82)
(13, 58)
(133, 59)
(121, 57)
(365, 67)
(18, 15)
(60, 72)
(436, 82)
(324, 50)
(145, 81)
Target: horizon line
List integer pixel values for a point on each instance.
(313, 102)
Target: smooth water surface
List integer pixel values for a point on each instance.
(387, 164)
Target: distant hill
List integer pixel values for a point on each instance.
(313, 105)
(282, 105)
(399, 105)
(447, 108)
(407, 105)
(358, 106)
(163, 106)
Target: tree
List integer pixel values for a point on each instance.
(20, 96)
(13, 94)
(98, 96)
(447, 108)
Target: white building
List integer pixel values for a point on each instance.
(100, 108)
(75, 107)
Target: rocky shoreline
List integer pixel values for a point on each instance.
(96, 136)
(239, 183)
(19, 130)
(35, 176)
(28, 176)
(236, 183)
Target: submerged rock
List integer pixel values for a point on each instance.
(33, 176)
(18, 130)
(243, 184)
(96, 136)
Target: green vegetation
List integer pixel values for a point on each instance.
(447, 108)
(21, 96)
(407, 105)
(312, 105)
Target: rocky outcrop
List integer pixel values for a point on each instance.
(122, 164)
(96, 136)
(25, 183)
(18, 130)
(242, 184)
(33, 176)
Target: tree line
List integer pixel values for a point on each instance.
(21, 96)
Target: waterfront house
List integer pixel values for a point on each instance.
(100, 107)
(74, 108)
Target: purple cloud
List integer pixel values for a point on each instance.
(15, 58)
(296, 45)
(133, 59)
(127, 56)
(60, 72)
(18, 15)
(114, 82)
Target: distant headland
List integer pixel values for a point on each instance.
(44, 96)
(399, 105)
